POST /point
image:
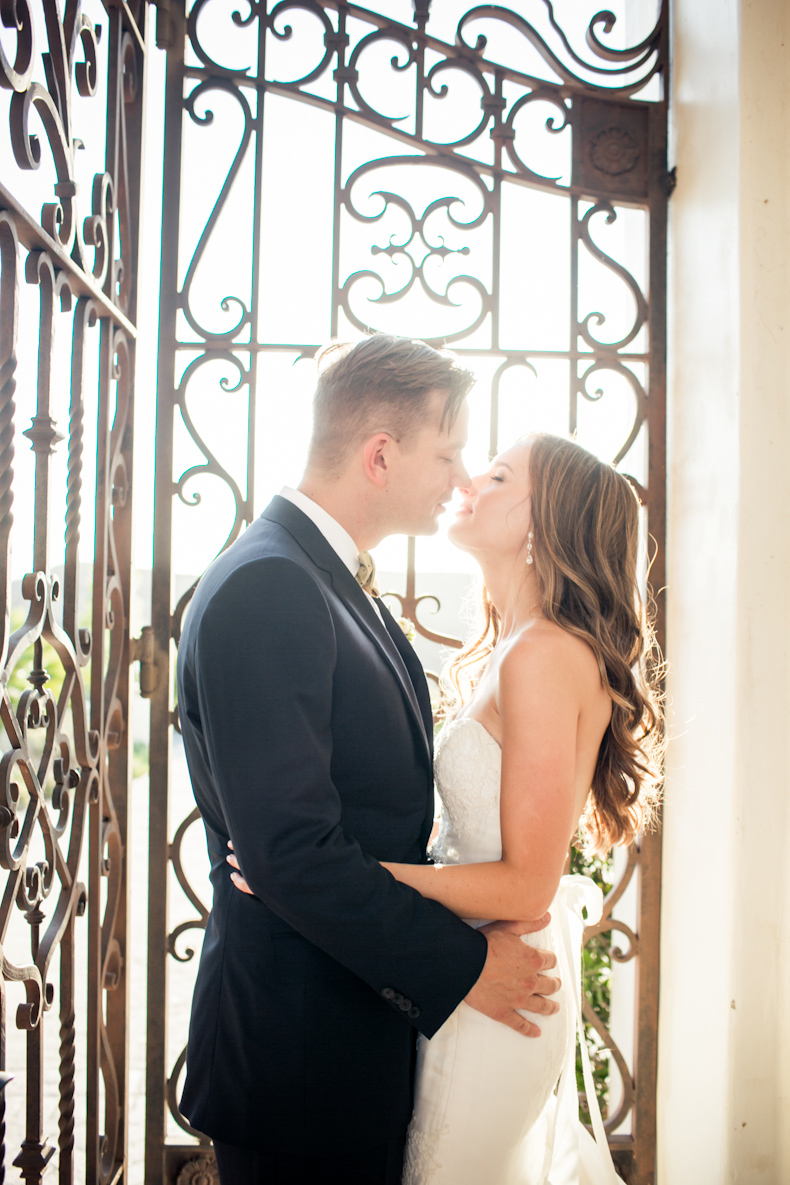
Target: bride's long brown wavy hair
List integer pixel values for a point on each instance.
(585, 523)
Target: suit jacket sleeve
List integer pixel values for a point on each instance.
(265, 656)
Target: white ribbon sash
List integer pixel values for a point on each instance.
(577, 1156)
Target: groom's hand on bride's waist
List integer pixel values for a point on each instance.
(514, 977)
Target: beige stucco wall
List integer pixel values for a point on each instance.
(724, 1074)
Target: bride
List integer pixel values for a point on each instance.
(555, 725)
(554, 730)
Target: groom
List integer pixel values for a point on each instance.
(307, 727)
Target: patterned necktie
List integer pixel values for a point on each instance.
(366, 575)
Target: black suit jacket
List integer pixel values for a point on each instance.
(307, 729)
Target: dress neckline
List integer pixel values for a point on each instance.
(473, 720)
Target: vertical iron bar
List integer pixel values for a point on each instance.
(493, 420)
(36, 1152)
(496, 268)
(159, 757)
(9, 318)
(493, 425)
(124, 162)
(119, 779)
(42, 434)
(338, 208)
(338, 174)
(252, 390)
(496, 215)
(94, 1135)
(649, 884)
(67, 1056)
(420, 92)
(2, 1067)
(83, 315)
(573, 344)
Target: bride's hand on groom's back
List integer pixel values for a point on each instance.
(236, 876)
(514, 976)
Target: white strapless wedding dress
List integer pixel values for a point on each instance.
(493, 1107)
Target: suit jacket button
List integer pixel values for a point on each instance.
(413, 1012)
(388, 993)
(404, 1004)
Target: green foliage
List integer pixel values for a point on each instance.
(597, 976)
(140, 759)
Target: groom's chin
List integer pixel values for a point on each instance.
(431, 527)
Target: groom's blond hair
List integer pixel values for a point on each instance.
(379, 384)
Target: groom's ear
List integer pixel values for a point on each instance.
(377, 458)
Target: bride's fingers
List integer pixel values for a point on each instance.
(233, 862)
(240, 883)
(230, 844)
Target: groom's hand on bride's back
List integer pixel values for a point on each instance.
(514, 976)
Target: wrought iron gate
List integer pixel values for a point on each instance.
(71, 140)
(412, 216)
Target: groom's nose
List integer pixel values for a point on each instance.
(470, 486)
(461, 479)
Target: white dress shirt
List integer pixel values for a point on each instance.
(336, 536)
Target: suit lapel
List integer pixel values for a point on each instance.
(310, 539)
(413, 666)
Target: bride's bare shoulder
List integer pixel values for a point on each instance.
(546, 649)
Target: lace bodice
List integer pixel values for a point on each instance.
(468, 768)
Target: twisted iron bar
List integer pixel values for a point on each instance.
(68, 1038)
(9, 314)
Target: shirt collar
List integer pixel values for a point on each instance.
(336, 536)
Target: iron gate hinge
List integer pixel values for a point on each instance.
(143, 650)
(165, 30)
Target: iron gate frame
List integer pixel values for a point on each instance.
(594, 112)
(89, 267)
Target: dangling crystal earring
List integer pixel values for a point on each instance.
(529, 549)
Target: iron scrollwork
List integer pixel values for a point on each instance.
(64, 672)
(426, 218)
